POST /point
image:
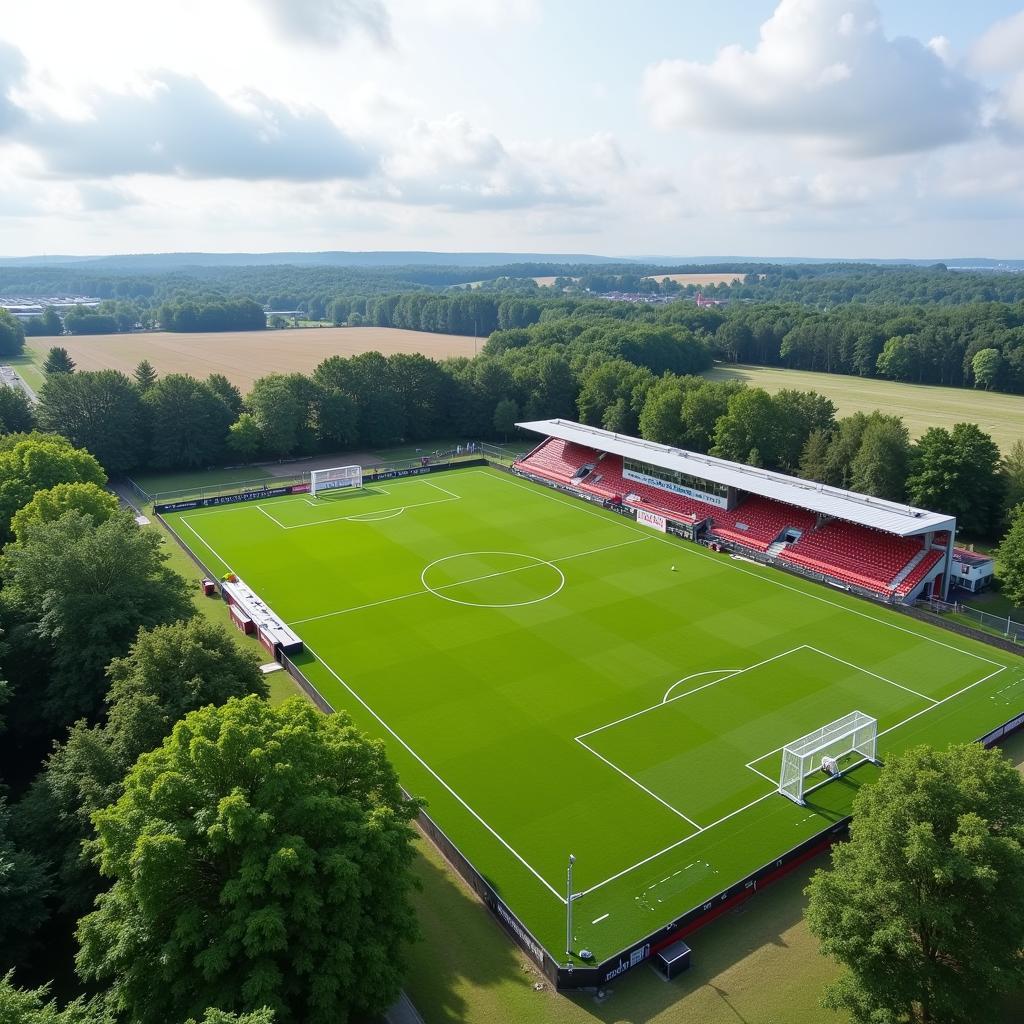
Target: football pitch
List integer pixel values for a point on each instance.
(553, 678)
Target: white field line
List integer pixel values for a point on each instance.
(750, 764)
(276, 522)
(579, 506)
(598, 920)
(673, 846)
(355, 517)
(693, 551)
(376, 517)
(970, 686)
(868, 672)
(697, 675)
(640, 785)
(688, 693)
(443, 490)
(185, 522)
(515, 853)
(462, 583)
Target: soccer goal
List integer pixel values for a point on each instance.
(832, 749)
(335, 479)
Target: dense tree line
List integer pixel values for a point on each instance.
(212, 313)
(128, 717)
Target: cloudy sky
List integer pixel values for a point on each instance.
(674, 127)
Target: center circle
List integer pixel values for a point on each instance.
(453, 573)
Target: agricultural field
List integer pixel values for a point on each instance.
(242, 356)
(920, 405)
(697, 279)
(554, 679)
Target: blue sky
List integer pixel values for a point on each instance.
(762, 127)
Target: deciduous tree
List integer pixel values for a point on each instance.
(1011, 558)
(52, 502)
(36, 462)
(924, 906)
(99, 410)
(16, 413)
(78, 593)
(260, 857)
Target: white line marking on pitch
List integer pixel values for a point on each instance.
(208, 547)
(697, 675)
(277, 522)
(868, 672)
(460, 583)
(443, 490)
(640, 785)
(692, 551)
(515, 853)
(598, 920)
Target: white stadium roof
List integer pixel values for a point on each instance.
(879, 514)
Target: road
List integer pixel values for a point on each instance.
(10, 378)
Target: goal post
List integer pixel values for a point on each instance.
(834, 748)
(339, 477)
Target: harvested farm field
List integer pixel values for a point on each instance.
(242, 356)
(921, 405)
(698, 279)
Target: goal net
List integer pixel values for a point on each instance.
(321, 480)
(832, 749)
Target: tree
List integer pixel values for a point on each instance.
(78, 593)
(264, 1015)
(278, 413)
(58, 360)
(814, 457)
(99, 410)
(924, 906)
(1013, 472)
(32, 1006)
(880, 465)
(24, 888)
(1011, 558)
(16, 413)
(245, 438)
(958, 472)
(168, 671)
(51, 503)
(12, 335)
(228, 393)
(37, 462)
(144, 376)
(750, 423)
(661, 418)
(259, 857)
(506, 412)
(987, 367)
(45, 326)
(188, 422)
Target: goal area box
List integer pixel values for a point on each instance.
(338, 478)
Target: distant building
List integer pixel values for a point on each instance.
(703, 302)
(972, 570)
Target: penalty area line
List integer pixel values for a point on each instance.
(515, 853)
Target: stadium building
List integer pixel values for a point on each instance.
(876, 548)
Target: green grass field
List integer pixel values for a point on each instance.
(920, 405)
(553, 678)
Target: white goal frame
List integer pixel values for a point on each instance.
(855, 733)
(335, 479)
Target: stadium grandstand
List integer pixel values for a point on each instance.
(879, 549)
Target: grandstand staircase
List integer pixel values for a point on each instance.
(774, 549)
(908, 568)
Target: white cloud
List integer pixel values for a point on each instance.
(179, 126)
(1001, 48)
(823, 71)
(12, 71)
(327, 23)
(452, 164)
